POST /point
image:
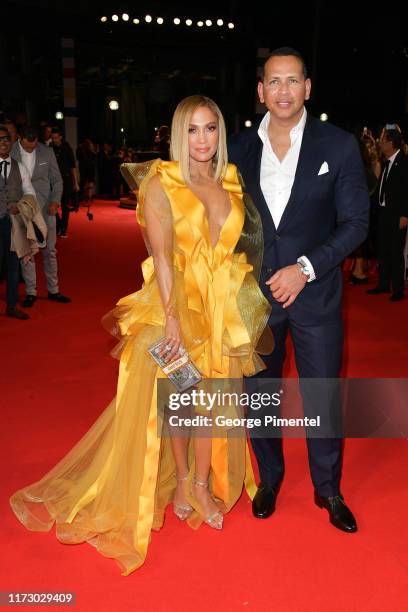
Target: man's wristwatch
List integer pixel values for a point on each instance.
(304, 268)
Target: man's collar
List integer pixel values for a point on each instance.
(7, 159)
(393, 156)
(264, 125)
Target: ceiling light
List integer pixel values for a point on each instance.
(148, 18)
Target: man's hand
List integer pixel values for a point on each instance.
(403, 222)
(286, 284)
(53, 208)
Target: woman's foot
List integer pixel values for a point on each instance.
(181, 507)
(210, 512)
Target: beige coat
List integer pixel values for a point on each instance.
(23, 239)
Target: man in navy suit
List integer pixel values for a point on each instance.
(392, 215)
(307, 181)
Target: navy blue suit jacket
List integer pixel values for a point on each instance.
(325, 219)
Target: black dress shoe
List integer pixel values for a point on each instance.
(264, 502)
(396, 297)
(58, 297)
(340, 516)
(16, 313)
(377, 290)
(29, 301)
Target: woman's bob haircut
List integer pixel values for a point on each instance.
(179, 148)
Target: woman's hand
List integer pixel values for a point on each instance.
(172, 342)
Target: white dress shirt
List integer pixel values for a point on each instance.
(277, 177)
(25, 178)
(28, 159)
(391, 160)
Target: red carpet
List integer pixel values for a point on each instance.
(58, 376)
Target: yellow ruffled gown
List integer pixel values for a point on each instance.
(113, 487)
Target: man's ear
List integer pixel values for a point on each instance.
(261, 92)
(308, 86)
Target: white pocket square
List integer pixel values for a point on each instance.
(324, 168)
(42, 163)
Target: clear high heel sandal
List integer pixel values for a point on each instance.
(213, 520)
(182, 511)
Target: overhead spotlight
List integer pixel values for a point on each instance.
(248, 123)
(136, 20)
(160, 20)
(208, 22)
(324, 117)
(220, 22)
(200, 24)
(122, 130)
(104, 19)
(231, 25)
(115, 18)
(148, 19)
(125, 17)
(176, 21)
(59, 115)
(189, 22)
(113, 105)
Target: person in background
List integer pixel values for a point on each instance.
(359, 271)
(86, 156)
(42, 167)
(66, 164)
(44, 135)
(14, 184)
(162, 142)
(392, 215)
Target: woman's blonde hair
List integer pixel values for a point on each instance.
(179, 149)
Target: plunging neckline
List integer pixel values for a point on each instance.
(206, 218)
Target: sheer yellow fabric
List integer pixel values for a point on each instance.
(112, 488)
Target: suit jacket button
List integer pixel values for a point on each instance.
(277, 237)
(269, 269)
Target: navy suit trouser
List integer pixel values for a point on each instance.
(10, 261)
(318, 354)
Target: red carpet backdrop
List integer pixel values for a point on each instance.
(57, 376)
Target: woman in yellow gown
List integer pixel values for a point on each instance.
(200, 290)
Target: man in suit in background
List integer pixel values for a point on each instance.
(307, 181)
(14, 184)
(42, 168)
(392, 216)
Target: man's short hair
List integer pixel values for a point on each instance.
(56, 130)
(29, 132)
(395, 137)
(283, 52)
